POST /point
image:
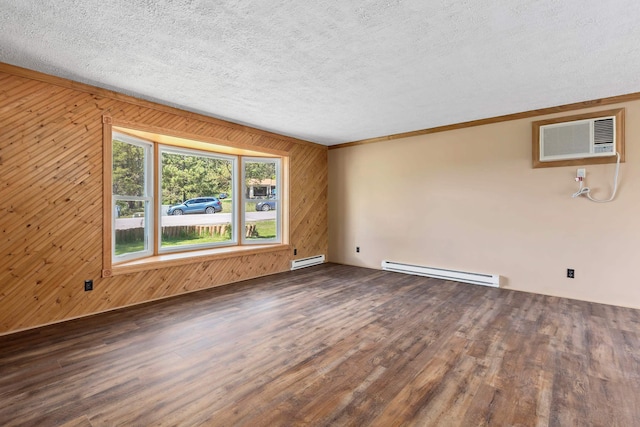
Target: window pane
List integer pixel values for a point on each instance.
(260, 179)
(130, 231)
(132, 197)
(192, 211)
(261, 200)
(260, 220)
(128, 169)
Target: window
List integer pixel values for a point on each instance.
(187, 173)
(260, 200)
(132, 198)
(171, 196)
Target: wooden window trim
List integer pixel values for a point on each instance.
(107, 199)
(191, 257)
(620, 126)
(194, 141)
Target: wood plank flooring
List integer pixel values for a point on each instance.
(331, 346)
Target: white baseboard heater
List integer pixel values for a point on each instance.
(492, 280)
(307, 262)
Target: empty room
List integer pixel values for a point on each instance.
(295, 213)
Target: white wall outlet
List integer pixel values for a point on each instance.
(582, 173)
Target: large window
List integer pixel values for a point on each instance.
(197, 199)
(169, 198)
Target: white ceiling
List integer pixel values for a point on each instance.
(334, 71)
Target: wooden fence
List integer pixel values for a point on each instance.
(183, 231)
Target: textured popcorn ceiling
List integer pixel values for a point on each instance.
(334, 71)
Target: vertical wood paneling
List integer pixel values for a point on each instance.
(51, 191)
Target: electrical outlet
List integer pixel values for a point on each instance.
(582, 173)
(358, 249)
(571, 273)
(295, 251)
(88, 285)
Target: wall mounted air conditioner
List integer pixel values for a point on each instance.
(578, 140)
(592, 136)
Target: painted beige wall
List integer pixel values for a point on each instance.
(469, 200)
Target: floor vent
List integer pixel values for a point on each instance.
(307, 262)
(492, 280)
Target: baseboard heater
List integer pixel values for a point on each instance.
(307, 262)
(492, 280)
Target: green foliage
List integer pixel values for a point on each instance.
(256, 172)
(192, 238)
(184, 176)
(188, 176)
(129, 247)
(227, 205)
(265, 229)
(128, 169)
(134, 242)
(128, 176)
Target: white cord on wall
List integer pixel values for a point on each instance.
(587, 191)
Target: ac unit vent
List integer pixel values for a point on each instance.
(578, 139)
(603, 132)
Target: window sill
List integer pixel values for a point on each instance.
(183, 258)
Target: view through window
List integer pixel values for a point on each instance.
(260, 198)
(132, 197)
(197, 199)
(201, 199)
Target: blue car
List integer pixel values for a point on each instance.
(266, 205)
(207, 205)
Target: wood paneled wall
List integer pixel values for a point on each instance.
(51, 201)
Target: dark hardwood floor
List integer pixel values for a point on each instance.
(331, 345)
